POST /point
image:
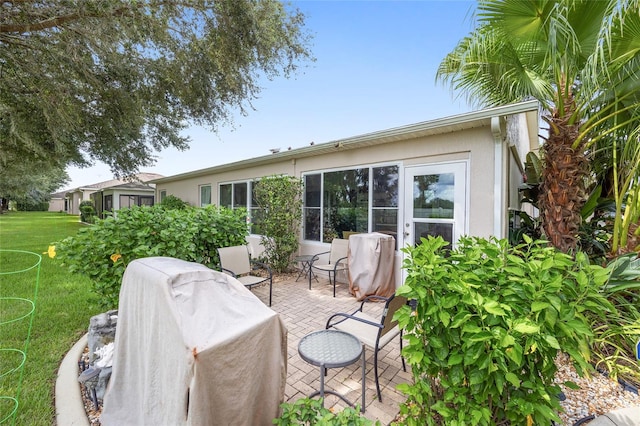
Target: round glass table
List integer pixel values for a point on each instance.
(305, 262)
(332, 349)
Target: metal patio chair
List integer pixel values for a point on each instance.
(374, 332)
(337, 261)
(236, 262)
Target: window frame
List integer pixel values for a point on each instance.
(370, 207)
(200, 188)
(133, 200)
(249, 207)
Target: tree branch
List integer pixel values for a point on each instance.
(56, 22)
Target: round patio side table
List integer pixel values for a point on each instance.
(332, 349)
(305, 262)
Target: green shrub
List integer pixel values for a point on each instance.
(103, 251)
(307, 411)
(173, 202)
(32, 206)
(279, 198)
(488, 323)
(87, 212)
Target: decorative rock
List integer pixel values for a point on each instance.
(102, 331)
(596, 396)
(103, 380)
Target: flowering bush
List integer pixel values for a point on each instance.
(104, 250)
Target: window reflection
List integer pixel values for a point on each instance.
(433, 196)
(340, 201)
(423, 230)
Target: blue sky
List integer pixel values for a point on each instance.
(375, 69)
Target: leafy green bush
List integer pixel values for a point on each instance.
(87, 212)
(307, 411)
(103, 251)
(279, 198)
(32, 206)
(488, 323)
(173, 202)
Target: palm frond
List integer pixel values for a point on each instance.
(489, 70)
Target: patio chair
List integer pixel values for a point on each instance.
(337, 261)
(235, 261)
(375, 333)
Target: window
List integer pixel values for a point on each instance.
(385, 200)
(145, 201)
(163, 195)
(435, 201)
(225, 196)
(311, 209)
(242, 195)
(234, 195)
(255, 212)
(355, 200)
(133, 200)
(345, 199)
(205, 195)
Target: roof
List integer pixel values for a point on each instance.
(449, 124)
(135, 179)
(139, 186)
(59, 194)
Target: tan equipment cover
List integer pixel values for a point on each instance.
(371, 258)
(193, 347)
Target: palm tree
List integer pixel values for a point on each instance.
(581, 60)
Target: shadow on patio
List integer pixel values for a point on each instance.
(305, 311)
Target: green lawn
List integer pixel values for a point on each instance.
(63, 308)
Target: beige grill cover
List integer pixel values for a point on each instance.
(371, 258)
(193, 347)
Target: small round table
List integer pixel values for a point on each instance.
(305, 262)
(332, 349)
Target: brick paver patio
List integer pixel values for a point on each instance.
(304, 311)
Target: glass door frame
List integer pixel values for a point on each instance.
(460, 220)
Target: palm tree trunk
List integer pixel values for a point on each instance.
(563, 184)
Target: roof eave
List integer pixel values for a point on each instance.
(427, 128)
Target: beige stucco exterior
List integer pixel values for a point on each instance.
(491, 143)
(75, 196)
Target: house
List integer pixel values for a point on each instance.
(113, 194)
(58, 202)
(451, 176)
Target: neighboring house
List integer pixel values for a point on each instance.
(128, 194)
(113, 194)
(452, 176)
(58, 202)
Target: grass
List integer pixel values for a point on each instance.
(63, 308)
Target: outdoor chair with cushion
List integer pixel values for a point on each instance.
(337, 261)
(372, 331)
(236, 262)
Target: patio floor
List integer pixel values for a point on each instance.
(304, 311)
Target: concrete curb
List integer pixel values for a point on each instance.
(69, 407)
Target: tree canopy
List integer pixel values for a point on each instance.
(118, 80)
(29, 183)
